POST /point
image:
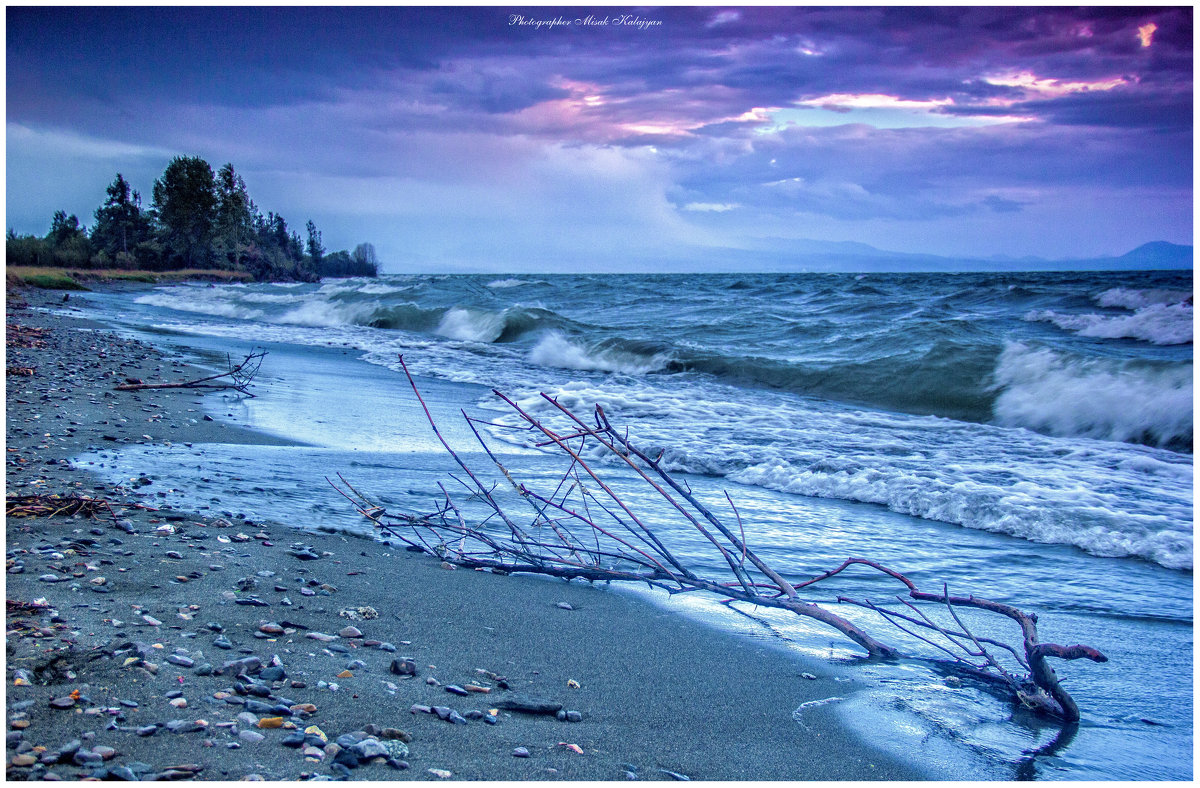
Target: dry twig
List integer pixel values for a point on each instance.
(618, 544)
(238, 377)
(54, 505)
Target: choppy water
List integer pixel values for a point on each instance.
(1025, 437)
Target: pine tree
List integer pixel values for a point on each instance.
(185, 210)
(120, 224)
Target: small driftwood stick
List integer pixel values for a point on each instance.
(620, 544)
(238, 377)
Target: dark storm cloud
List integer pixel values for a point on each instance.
(898, 113)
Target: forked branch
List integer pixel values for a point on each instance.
(237, 377)
(577, 525)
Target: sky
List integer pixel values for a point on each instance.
(575, 138)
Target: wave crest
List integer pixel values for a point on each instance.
(555, 350)
(1058, 394)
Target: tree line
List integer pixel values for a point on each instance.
(196, 220)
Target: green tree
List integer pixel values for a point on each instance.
(68, 242)
(26, 250)
(314, 248)
(235, 218)
(185, 211)
(120, 224)
(365, 259)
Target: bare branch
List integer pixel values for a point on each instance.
(624, 547)
(237, 377)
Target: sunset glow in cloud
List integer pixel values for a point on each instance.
(451, 135)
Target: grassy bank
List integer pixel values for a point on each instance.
(73, 278)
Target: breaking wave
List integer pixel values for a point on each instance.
(1119, 400)
(555, 350)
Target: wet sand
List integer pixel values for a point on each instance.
(658, 697)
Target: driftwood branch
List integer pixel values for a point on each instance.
(580, 527)
(237, 377)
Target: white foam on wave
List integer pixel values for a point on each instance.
(555, 350)
(1110, 499)
(1057, 512)
(327, 313)
(1129, 298)
(1055, 393)
(1161, 324)
(207, 301)
(471, 325)
(502, 284)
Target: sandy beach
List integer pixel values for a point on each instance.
(155, 643)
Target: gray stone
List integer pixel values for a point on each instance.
(370, 748)
(521, 752)
(404, 666)
(394, 749)
(251, 737)
(574, 716)
(183, 662)
(147, 730)
(87, 758)
(348, 758)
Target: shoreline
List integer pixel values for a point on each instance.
(657, 694)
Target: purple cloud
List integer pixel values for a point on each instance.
(906, 121)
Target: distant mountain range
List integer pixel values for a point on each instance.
(806, 255)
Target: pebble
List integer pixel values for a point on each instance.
(405, 666)
(273, 673)
(808, 676)
(222, 642)
(271, 628)
(251, 737)
(350, 632)
(564, 605)
(64, 702)
(182, 661)
(440, 773)
(395, 750)
(521, 752)
(454, 689)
